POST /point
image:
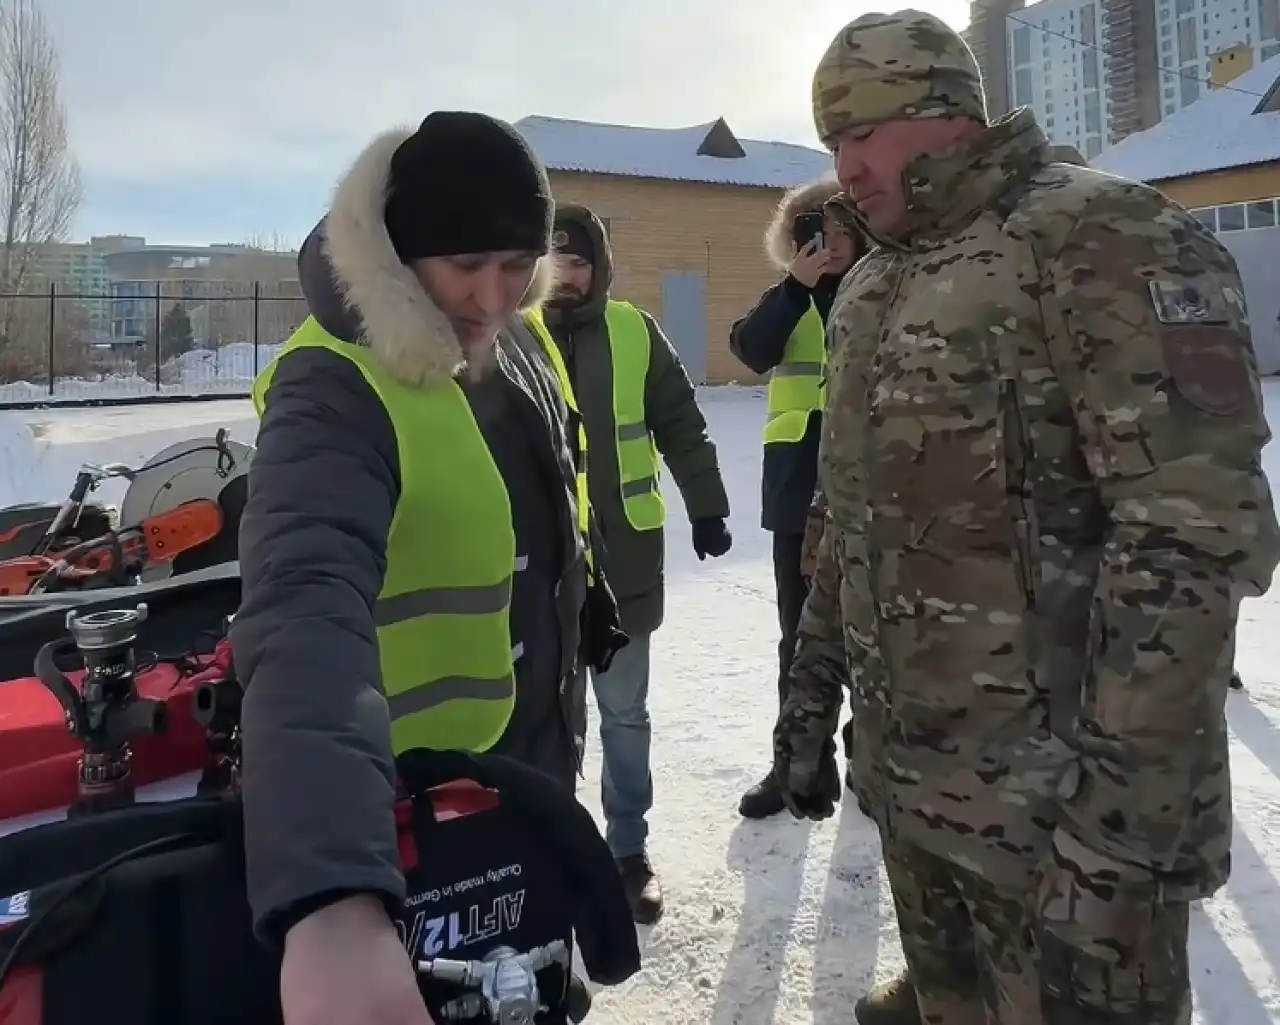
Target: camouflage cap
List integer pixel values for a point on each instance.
(887, 67)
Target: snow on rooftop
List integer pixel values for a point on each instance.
(1218, 132)
(671, 154)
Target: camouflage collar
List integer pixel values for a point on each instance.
(947, 191)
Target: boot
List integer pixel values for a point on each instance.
(890, 1003)
(762, 800)
(644, 891)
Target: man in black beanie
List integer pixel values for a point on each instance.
(413, 556)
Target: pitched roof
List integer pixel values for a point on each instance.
(1233, 126)
(700, 153)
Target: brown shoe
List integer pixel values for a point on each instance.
(890, 1003)
(644, 891)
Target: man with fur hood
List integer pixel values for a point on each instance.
(637, 403)
(413, 561)
(784, 335)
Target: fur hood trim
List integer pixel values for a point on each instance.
(805, 199)
(410, 334)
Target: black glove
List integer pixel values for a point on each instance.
(602, 635)
(711, 537)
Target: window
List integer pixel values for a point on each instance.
(1022, 45)
(1092, 146)
(1261, 215)
(1187, 46)
(1269, 19)
(1091, 69)
(1184, 7)
(1093, 116)
(1231, 218)
(1022, 91)
(1088, 32)
(1190, 89)
(1270, 51)
(1208, 216)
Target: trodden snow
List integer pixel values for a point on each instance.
(777, 921)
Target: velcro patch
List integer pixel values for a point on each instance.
(1209, 367)
(1179, 302)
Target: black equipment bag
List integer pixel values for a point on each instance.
(139, 916)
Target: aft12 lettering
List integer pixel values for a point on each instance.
(435, 935)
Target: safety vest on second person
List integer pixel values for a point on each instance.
(443, 614)
(797, 386)
(638, 466)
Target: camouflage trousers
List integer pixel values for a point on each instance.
(976, 959)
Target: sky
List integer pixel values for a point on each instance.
(231, 121)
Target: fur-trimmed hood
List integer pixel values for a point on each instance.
(808, 198)
(349, 266)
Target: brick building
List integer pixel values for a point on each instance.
(686, 210)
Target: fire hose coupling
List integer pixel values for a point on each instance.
(105, 712)
(506, 980)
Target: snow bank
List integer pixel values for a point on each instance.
(227, 370)
(52, 444)
(19, 455)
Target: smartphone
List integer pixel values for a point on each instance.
(808, 228)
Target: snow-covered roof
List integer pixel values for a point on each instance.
(671, 154)
(1234, 126)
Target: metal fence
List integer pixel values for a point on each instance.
(169, 339)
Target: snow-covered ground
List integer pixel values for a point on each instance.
(226, 370)
(780, 921)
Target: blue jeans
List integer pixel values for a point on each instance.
(626, 786)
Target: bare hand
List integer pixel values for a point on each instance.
(810, 264)
(346, 965)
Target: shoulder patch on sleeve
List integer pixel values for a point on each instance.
(1180, 302)
(1209, 366)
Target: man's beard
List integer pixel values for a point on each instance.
(565, 297)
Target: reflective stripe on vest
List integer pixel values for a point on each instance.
(797, 386)
(443, 614)
(538, 326)
(638, 466)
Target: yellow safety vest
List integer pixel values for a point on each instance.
(638, 465)
(797, 385)
(639, 469)
(443, 614)
(538, 325)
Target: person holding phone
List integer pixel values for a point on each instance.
(785, 335)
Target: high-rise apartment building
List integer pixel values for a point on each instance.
(1096, 71)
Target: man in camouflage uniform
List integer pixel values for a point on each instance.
(1041, 458)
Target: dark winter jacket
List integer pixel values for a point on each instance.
(633, 559)
(790, 472)
(322, 491)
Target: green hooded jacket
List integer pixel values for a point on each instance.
(633, 560)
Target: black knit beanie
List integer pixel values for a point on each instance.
(572, 239)
(467, 183)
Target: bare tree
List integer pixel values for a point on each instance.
(39, 181)
(275, 242)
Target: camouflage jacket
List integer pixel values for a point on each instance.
(1041, 458)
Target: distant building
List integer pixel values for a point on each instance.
(685, 209)
(231, 293)
(77, 271)
(1220, 158)
(1097, 71)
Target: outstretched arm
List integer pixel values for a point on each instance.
(318, 765)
